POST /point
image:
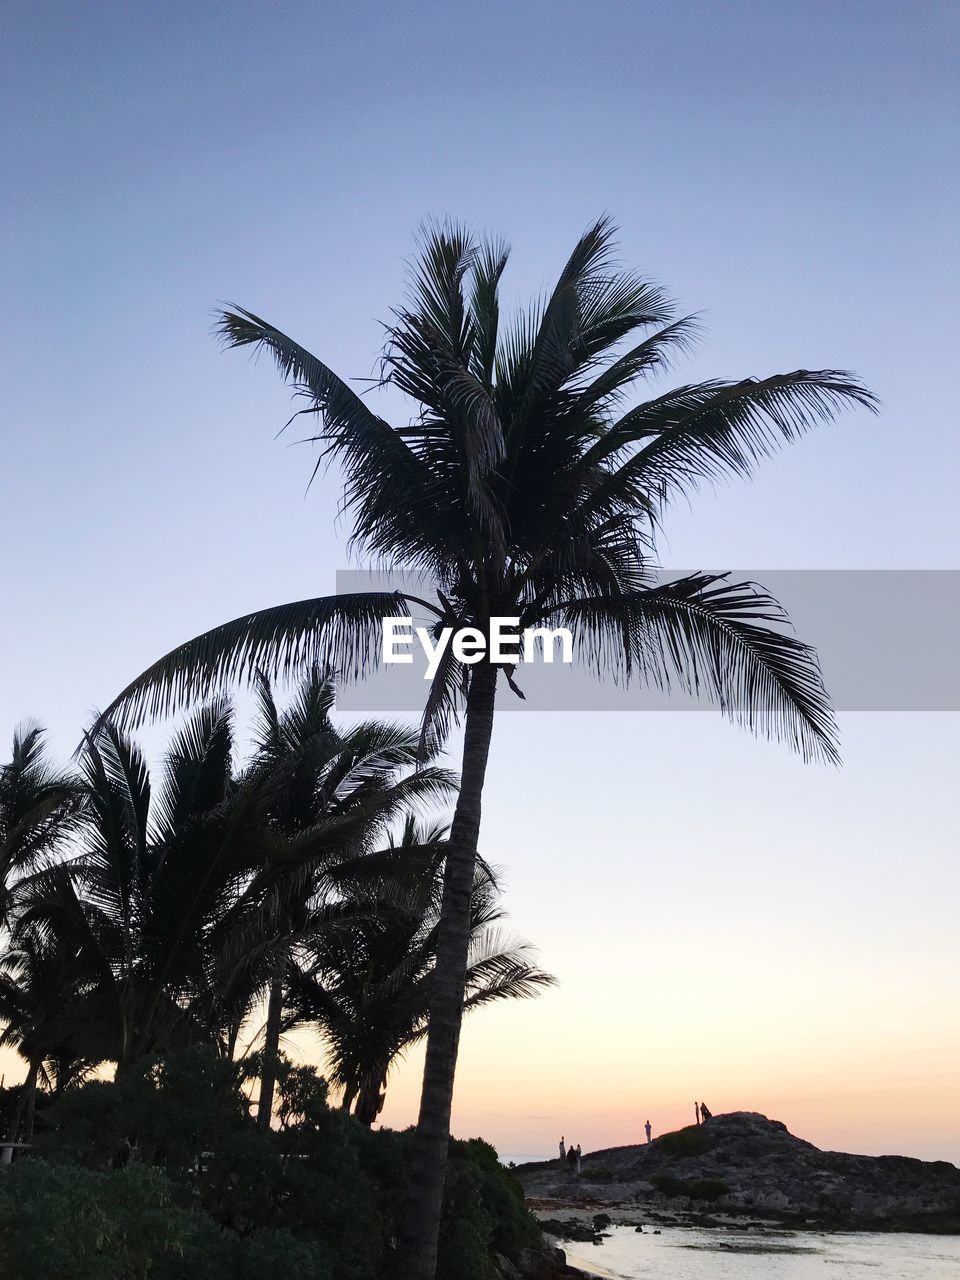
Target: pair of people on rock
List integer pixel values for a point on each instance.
(572, 1156)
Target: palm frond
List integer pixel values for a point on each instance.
(711, 429)
(355, 431)
(342, 632)
(488, 267)
(344, 830)
(707, 637)
(653, 354)
(40, 806)
(197, 768)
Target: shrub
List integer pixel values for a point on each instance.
(708, 1188)
(78, 1224)
(511, 1225)
(208, 1196)
(696, 1189)
(690, 1141)
(171, 1111)
(669, 1185)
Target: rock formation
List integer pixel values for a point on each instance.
(744, 1164)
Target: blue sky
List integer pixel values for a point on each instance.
(783, 168)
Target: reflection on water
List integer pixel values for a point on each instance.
(698, 1254)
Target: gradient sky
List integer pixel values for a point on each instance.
(724, 921)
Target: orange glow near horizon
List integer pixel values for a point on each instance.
(807, 975)
(523, 1080)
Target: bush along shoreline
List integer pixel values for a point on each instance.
(163, 1174)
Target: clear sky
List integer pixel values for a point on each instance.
(725, 922)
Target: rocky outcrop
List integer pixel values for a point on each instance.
(544, 1263)
(744, 1164)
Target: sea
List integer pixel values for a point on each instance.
(696, 1253)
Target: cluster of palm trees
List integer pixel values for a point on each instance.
(529, 480)
(143, 914)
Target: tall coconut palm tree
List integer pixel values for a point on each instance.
(530, 482)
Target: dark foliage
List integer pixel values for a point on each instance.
(200, 1191)
(690, 1141)
(696, 1189)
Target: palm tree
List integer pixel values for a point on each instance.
(528, 487)
(352, 782)
(368, 986)
(40, 983)
(184, 899)
(38, 806)
(156, 870)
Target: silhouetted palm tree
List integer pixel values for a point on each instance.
(528, 487)
(183, 901)
(41, 983)
(353, 781)
(157, 869)
(38, 808)
(368, 986)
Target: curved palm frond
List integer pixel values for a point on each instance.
(40, 807)
(344, 630)
(712, 429)
(705, 636)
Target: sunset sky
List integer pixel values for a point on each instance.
(724, 921)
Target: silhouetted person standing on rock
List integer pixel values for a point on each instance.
(563, 1149)
(576, 1151)
(696, 1111)
(572, 1159)
(648, 1130)
(705, 1113)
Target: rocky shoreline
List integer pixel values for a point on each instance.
(742, 1172)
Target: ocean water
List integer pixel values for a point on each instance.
(525, 1157)
(693, 1253)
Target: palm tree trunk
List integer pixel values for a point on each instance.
(233, 1035)
(30, 1100)
(28, 1087)
(416, 1257)
(369, 1105)
(271, 1052)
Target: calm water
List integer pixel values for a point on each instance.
(695, 1254)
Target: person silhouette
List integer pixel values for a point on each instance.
(696, 1111)
(705, 1112)
(571, 1158)
(563, 1149)
(576, 1165)
(648, 1130)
